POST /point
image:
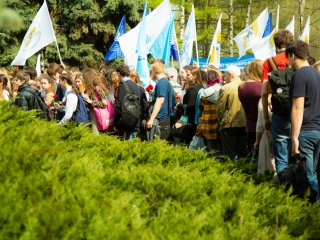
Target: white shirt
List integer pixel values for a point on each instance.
(71, 100)
(6, 94)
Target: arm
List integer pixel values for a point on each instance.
(156, 109)
(118, 103)
(296, 122)
(221, 105)
(264, 97)
(71, 107)
(102, 100)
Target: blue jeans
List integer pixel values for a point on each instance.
(281, 141)
(309, 146)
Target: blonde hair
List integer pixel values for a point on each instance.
(316, 66)
(135, 75)
(157, 68)
(256, 70)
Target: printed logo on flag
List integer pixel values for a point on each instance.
(33, 37)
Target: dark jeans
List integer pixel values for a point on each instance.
(251, 140)
(234, 142)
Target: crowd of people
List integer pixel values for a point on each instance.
(228, 113)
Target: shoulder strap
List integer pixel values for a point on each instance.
(273, 64)
(126, 88)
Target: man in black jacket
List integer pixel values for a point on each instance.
(26, 98)
(129, 107)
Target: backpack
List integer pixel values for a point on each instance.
(40, 106)
(130, 108)
(280, 81)
(81, 114)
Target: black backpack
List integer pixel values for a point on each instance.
(280, 81)
(40, 106)
(130, 108)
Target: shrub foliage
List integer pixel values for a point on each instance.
(66, 183)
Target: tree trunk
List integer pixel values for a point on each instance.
(248, 13)
(231, 27)
(301, 12)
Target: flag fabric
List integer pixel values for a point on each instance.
(38, 65)
(305, 36)
(162, 46)
(39, 35)
(248, 37)
(290, 26)
(155, 22)
(265, 48)
(268, 28)
(215, 48)
(142, 67)
(115, 50)
(188, 39)
(174, 45)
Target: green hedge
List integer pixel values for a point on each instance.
(65, 183)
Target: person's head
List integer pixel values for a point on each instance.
(298, 52)
(157, 68)
(54, 70)
(65, 81)
(184, 72)
(79, 81)
(123, 70)
(3, 80)
(282, 38)
(213, 77)
(204, 76)
(256, 70)
(92, 79)
(245, 73)
(212, 66)
(135, 77)
(31, 72)
(74, 71)
(195, 77)
(21, 78)
(232, 72)
(172, 74)
(47, 83)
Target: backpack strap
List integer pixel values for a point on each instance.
(126, 88)
(273, 64)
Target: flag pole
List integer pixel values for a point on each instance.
(59, 53)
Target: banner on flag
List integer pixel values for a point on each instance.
(305, 36)
(248, 37)
(290, 26)
(115, 50)
(155, 22)
(188, 39)
(215, 48)
(39, 35)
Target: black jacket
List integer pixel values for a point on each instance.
(26, 98)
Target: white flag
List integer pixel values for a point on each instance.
(155, 22)
(38, 65)
(215, 48)
(305, 36)
(188, 39)
(265, 48)
(39, 35)
(290, 26)
(248, 37)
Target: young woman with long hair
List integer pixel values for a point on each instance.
(70, 100)
(4, 93)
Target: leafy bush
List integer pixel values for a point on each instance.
(66, 183)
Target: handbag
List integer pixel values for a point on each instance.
(104, 115)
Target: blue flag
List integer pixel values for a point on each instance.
(162, 46)
(115, 50)
(142, 51)
(268, 29)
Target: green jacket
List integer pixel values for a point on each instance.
(229, 109)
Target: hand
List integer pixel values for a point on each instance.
(256, 145)
(295, 147)
(267, 124)
(150, 123)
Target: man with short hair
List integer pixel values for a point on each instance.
(231, 116)
(281, 127)
(126, 86)
(163, 102)
(305, 115)
(26, 95)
